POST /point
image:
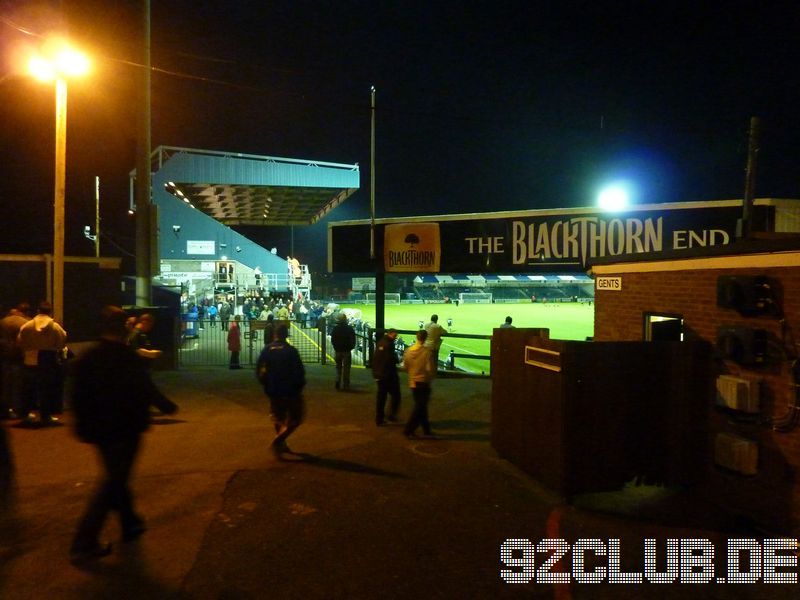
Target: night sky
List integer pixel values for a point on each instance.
(482, 105)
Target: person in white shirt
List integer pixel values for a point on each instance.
(418, 365)
(434, 341)
(42, 340)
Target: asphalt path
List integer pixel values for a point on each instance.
(358, 512)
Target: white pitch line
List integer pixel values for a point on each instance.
(459, 348)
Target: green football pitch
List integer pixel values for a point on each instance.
(566, 321)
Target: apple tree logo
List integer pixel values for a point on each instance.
(412, 239)
(412, 258)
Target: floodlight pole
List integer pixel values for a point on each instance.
(97, 216)
(750, 178)
(58, 203)
(143, 192)
(372, 176)
(380, 276)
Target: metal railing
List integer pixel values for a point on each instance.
(452, 357)
(205, 342)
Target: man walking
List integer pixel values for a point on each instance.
(419, 367)
(111, 395)
(280, 370)
(384, 369)
(434, 341)
(343, 338)
(42, 341)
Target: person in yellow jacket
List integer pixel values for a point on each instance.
(419, 367)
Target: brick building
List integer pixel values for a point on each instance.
(742, 299)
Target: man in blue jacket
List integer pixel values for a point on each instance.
(280, 370)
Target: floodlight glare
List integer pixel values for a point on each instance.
(71, 62)
(66, 62)
(614, 198)
(41, 69)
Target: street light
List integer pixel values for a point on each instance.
(58, 62)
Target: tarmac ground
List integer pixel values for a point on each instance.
(359, 512)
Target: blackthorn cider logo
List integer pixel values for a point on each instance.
(676, 560)
(412, 248)
(411, 239)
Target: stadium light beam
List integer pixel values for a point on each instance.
(614, 198)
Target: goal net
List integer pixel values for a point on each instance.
(387, 298)
(475, 298)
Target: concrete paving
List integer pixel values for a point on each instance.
(359, 512)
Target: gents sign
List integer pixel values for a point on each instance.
(613, 284)
(532, 241)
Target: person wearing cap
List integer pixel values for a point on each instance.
(280, 370)
(343, 339)
(111, 393)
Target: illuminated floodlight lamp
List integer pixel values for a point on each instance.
(63, 62)
(614, 198)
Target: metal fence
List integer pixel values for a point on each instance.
(451, 356)
(205, 343)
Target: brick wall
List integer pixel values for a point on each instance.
(772, 497)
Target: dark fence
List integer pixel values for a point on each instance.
(205, 343)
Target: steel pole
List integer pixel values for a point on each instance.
(97, 216)
(58, 202)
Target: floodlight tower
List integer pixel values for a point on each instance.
(56, 63)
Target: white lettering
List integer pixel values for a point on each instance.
(518, 242)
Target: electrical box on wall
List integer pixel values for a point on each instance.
(736, 453)
(748, 295)
(744, 345)
(738, 394)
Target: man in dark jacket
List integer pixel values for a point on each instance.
(384, 369)
(111, 394)
(280, 370)
(343, 339)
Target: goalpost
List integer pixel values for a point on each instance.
(387, 298)
(475, 298)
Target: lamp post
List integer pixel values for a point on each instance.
(56, 64)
